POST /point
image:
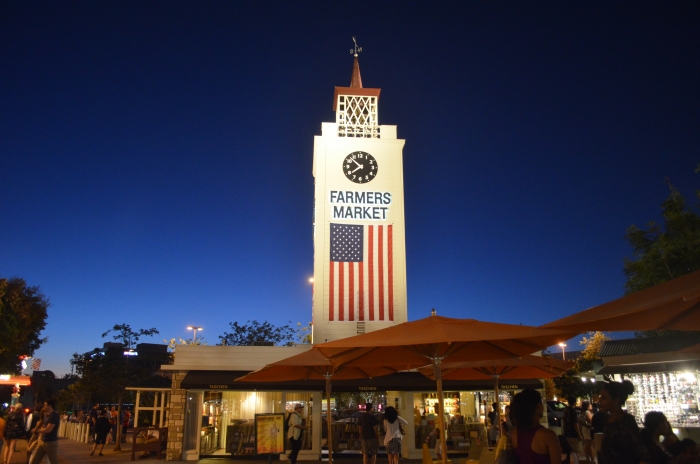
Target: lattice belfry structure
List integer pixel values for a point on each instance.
(356, 116)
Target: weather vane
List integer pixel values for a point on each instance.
(356, 50)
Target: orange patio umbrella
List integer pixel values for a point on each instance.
(672, 305)
(525, 367)
(434, 340)
(313, 365)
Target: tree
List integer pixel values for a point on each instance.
(128, 337)
(23, 312)
(662, 252)
(109, 372)
(572, 383)
(246, 335)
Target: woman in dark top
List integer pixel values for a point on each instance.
(621, 441)
(655, 425)
(533, 444)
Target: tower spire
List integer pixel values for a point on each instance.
(356, 79)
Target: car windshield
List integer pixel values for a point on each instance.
(556, 405)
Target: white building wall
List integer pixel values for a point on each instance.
(329, 153)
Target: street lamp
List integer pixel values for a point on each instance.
(563, 345)
(194, 328)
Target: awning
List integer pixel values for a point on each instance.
(401, 381)
(677, 366)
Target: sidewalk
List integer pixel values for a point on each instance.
(73, 452)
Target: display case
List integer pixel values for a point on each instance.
(673, 393)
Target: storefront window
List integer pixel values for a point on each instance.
(673, 393)
(465, 413)
(228, 419)
(192, 418)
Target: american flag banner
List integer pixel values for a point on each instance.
(36, 363)
(361, 274)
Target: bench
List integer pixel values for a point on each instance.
(158, 444)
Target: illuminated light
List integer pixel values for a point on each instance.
(311, 280)
(583, 379)
(4, 377)
(24, 364)
(689, 376)
(131, 353)
(592, 379)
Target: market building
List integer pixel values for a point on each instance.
(359, 286)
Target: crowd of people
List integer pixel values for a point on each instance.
(622, 440)
(40, 429)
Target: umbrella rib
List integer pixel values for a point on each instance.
(693, 305)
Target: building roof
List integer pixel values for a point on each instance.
(356, 79)
(646, 345)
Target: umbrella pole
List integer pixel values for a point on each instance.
(497, 416)
(441, 416)
(329, 416)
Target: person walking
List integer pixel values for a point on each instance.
(621, 441)
(2, 433)
(125, 423)
(92, 420)
(584, 425)
(296, 426)
(114, 422)
(532, 443)
(48, 442)
(102, 429)
(494, 419)
(369, 433)
(393, 433)
(14, 430)
(570, 428)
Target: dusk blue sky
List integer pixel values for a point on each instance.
(156, 156)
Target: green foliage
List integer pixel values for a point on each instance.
(247, 334)
(662, 252)
(128, 337)
(107, 373)
(571, 382)
(23, 312)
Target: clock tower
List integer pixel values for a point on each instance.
(359, 232)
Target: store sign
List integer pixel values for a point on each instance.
(367, 388)
(218, 387)
(509, 387)
(370, 206)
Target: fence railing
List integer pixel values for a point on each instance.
(74, 431)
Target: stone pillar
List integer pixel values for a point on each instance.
(176, 418)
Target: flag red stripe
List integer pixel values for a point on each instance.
(341, 291)
(390, 271)
(380, 266)
(331, 316)
(351, 291)
(370, 270)
(361, 305)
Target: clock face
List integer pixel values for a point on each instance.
(360, 167)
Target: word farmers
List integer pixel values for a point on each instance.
(360, 198)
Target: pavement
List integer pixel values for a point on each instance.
(74, 452)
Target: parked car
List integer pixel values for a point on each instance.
(555, 412)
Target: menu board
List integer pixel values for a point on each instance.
(269, 433)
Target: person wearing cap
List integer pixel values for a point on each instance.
(295, 424)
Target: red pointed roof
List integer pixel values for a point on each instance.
(356, 79)
(355, 86)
